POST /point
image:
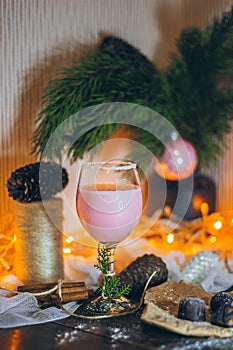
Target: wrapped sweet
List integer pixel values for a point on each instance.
(192, 309)
(221, 305)
(219, 299)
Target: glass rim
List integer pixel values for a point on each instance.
(111, 165)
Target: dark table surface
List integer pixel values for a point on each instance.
(120, 333)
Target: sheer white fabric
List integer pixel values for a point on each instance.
(23, 309)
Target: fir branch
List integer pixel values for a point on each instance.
(190, 94)
(198, 104)
(114, 72)
(110, 289)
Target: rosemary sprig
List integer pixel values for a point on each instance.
(110, 289)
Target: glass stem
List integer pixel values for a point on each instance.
(107, 253)
(111, 270)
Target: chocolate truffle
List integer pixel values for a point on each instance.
(192, 309)
(223, 316)
(221, 305)
(219, 299)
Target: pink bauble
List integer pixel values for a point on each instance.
(178, 162)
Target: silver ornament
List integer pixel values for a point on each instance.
(199, 266)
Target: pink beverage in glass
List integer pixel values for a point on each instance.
(109, 212)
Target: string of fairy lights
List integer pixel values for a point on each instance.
(210, 232)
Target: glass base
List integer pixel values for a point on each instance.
(101, 308)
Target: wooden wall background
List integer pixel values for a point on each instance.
(39, 37)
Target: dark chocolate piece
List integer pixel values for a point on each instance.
(219, 299)
(192, 309)
(223, 315)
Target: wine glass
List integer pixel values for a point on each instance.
(109, 206)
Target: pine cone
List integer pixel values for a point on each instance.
(139, 271)
(36, 181)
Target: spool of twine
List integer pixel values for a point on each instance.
(38, 247)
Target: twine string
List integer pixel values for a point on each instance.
(110, 274)
(58, 287)
(137, 307)
(39, 242)
(47, 292)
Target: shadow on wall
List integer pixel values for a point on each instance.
(16, 145)
(170, 16)
(173, 16)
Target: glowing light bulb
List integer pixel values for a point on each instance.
(69, 239)
(218, 225)
(170, 238)
(66, 250)
(213, 239)
(204, 208)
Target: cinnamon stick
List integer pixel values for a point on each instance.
(40, 287)
(70, 291)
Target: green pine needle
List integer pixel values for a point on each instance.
(110, 289)
(195, 94)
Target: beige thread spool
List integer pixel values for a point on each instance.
(38, 247)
